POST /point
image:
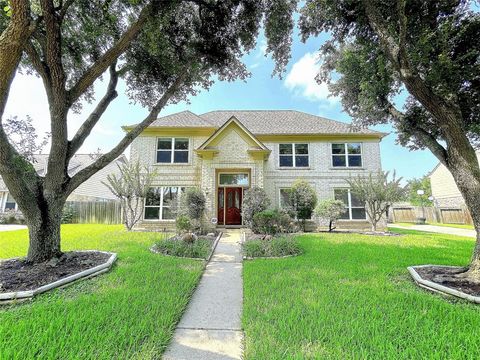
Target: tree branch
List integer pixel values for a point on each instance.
(107, 158)
(111, 55)
(92, 120)
(12, 41)
(64, 9)
(424, 136)
(37, 62)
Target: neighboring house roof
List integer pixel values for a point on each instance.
(93, 187)
(262, 122)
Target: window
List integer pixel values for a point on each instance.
(347, 155)
(354, 209)
(233, 179)
(293, 155)
(172, 150)
(10, 203)
(162, 202)
(285, 198)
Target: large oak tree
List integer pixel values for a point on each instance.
(428, 49)
(164, 50)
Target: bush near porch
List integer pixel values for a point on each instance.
(129, 312)
(350, 297)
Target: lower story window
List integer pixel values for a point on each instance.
(10, 203)
(162, 202)
(354, 209)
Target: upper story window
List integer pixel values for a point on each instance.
(293, 155)
(347, 155)
(172, 150)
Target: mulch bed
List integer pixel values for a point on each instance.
(435, 274)
(19, 275)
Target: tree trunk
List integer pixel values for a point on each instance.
(44, 233)
(469, 185)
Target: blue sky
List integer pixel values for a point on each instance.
(297, 90)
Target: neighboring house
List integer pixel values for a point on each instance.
(90, 190)
(226, 152)
(444, 189)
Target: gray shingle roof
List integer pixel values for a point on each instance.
(263, 122)
(181, 119)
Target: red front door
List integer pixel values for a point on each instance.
(230, 206)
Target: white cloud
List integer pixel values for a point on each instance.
(301, 80)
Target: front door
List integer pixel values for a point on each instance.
(230, 205)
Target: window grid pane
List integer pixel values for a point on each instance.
(293, 155)
(286, 160)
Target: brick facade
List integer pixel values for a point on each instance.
(232, 155)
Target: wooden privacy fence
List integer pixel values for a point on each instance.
(432, 214)
(93, 212)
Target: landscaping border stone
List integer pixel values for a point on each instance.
(94, 271)
(432, 286)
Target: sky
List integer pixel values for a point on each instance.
(297, 90)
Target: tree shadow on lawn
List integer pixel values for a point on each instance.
(130, 311)
(351, 296)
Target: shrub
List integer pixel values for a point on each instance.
(193, 206)
(255, 200)
(200, 248)
(303, 199)
(183, 224)
(276, 247)
(12, 217)
(272, 222)
(330, 210)
(68, 214)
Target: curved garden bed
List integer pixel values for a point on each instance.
(442, 279)
(22, 280)
(200, 248)
(256, 246)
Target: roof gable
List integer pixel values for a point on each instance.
(233, 124)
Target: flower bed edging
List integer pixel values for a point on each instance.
(270, 257)
(97, 270)
(430, 285)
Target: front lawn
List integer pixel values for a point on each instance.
(129, 312)
(458, 226)
(350, 297)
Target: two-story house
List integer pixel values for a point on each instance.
(226, 152)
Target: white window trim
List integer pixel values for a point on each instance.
(3, 202)
(161, 206)
(172, 149)
(347, 161)
(294, 166)
(234, 173)
(350, 218)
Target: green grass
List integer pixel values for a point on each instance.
(458, 226)
(350, 297)
(276, 247)
(199, 249)
(129, 312)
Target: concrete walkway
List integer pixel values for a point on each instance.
(211, 326)
(438, 229)
(12, 227)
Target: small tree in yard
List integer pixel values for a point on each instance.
(332, 210)
(255, 200)
(164, 51)
(193, 206)
(131, 187)
(377, 192)
(303, 200)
